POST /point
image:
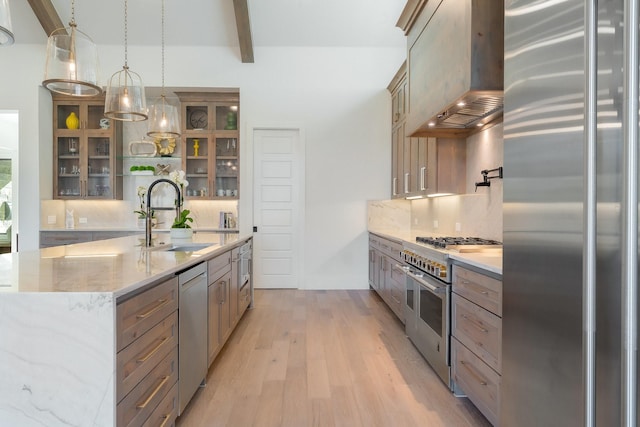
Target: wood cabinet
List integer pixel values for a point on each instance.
(476, 346)
(454, 53)
(86, 150)
(211, 144)
(49, 238)
(398, 89)
(234, 308)
(386, 275)
(219, 314)
(421, 166)
(147, 356)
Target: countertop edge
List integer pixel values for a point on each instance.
(476, 259)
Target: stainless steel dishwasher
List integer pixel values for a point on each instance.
(192, 324)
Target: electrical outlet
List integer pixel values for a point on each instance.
(415, 221)
(82, 220)
(458, 226)
(435, 223)
(51, 219)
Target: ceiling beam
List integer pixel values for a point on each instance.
(244, 30)
(47, 15)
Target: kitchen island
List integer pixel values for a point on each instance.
(58, 328)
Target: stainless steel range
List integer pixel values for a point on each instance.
(428, 295)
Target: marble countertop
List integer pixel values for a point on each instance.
(115, 266)
(490, 260)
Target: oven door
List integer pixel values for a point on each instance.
(432, 329)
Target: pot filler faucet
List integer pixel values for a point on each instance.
(178, 205)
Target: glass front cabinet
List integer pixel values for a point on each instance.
(86, 150)
(211, 144)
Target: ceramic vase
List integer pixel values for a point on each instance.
(72, 121)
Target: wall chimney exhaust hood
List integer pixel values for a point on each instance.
(455, 62)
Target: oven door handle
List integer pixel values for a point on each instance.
(404, 268)
(419, 278)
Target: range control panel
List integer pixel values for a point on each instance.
(433, 267)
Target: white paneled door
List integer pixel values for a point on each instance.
(277, 207)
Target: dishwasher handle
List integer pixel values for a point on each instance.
(187, 278)
(193, 282)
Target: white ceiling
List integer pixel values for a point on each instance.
(212, 22)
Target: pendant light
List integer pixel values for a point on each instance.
(164, 120)
(125, 99)
(72, 61)
(6, 31)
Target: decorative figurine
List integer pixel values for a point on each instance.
(163, 169)
(196, 146)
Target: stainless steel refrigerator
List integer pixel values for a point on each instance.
(570, 213)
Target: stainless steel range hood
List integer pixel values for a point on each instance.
(455, 62)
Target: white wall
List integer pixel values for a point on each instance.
(337, 95)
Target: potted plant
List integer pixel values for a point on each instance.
(142, 212)
(180, 229)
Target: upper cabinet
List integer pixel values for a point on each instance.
(398, 90)
(211, 144)
(455, 61)
(421, 166)
(86, 150)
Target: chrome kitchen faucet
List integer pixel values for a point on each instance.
(178, 205)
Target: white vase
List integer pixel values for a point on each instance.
(181, 233)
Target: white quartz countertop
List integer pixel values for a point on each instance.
(490, 260)
(115, 266)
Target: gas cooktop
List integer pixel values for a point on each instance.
(455, 242)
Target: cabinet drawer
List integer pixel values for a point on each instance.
(244, 298)
(139, 314)
(138, 405)
(396, 290)
(219, 266)
(483, 290)
(479, 330)
(139, 358)
(477, 380)
(166, 412)
(391, 249)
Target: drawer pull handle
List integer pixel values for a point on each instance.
(472, 372)
(161, 303)
(152, 352)
(466, 282)
(465, 317)
(166, 419)
(153, 393)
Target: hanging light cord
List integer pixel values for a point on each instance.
(73, 14)
(126, 66)
(163, 48)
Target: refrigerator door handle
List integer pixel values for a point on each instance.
(589, 212)
(629, 215)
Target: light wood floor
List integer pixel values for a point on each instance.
(323, 358)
